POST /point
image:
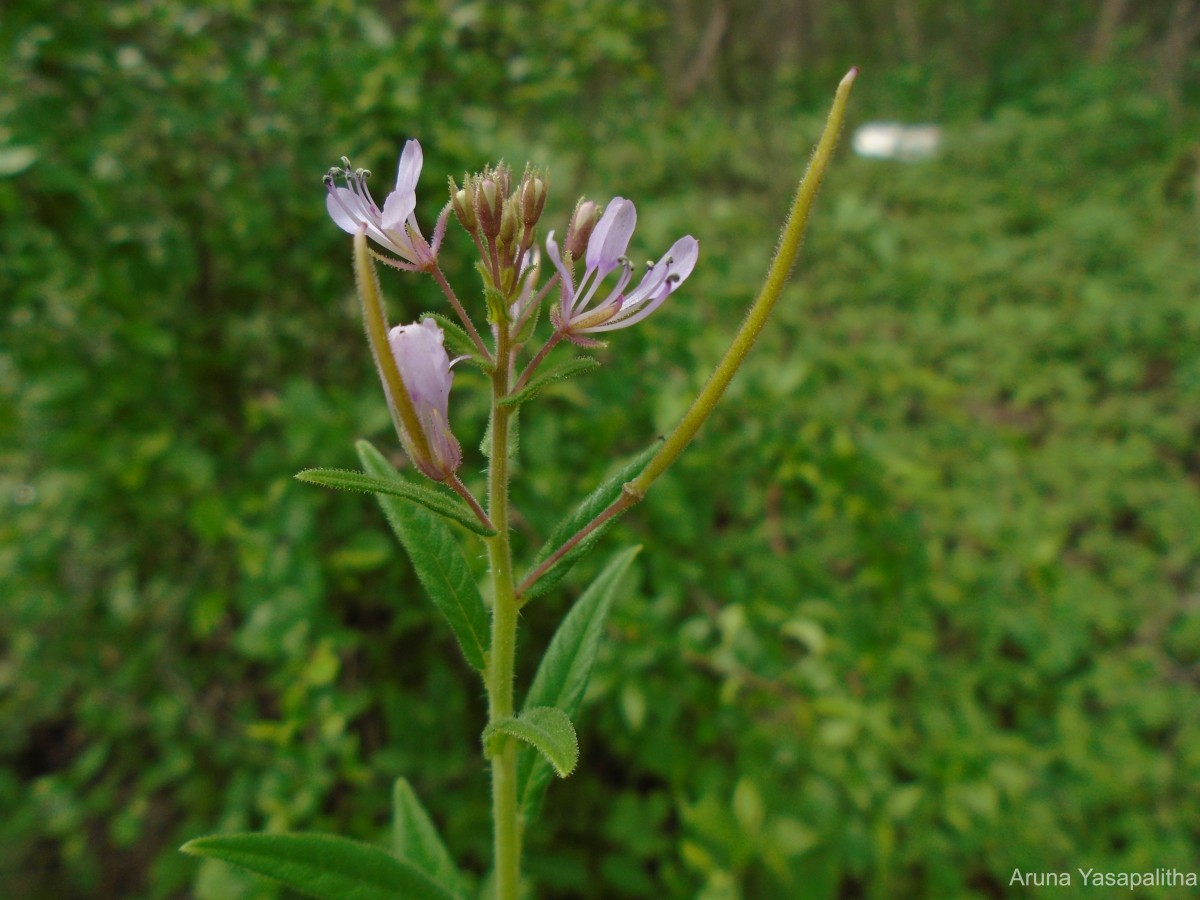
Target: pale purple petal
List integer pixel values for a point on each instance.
(684, 253)
(409, 171)
(342, 204)
(611, 237)
(659, 283)
(398, 206)
(349, 210)
(424, 365)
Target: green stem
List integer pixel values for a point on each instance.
(505, 820)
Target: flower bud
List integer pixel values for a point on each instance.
(533, 199)
(462, 200)
(587, 214)
(488, 206)
(508, 224)
(425, 368)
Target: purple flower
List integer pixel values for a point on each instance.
(425, 367)
(395, 226)
(577, 314)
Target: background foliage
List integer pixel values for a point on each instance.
(921, 606)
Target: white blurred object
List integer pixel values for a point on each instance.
(892, 140)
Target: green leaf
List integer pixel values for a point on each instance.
(438, 562)
(415, 838)
(323, 865)
(526, 330)
(563, 673)
(394, 485)
(458, 342)
(590, 507)
(555, 373)
(496, 307)
(514, 439)
(545, 728)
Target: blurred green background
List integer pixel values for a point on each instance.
(921, 606)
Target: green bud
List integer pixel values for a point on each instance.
(587, 214)
(508, 223)
(462, 199)
(488, 207)
(533, 199)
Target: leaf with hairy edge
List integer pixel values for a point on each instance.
(438, 562)
(323, 865)
(458, 342)
(485, 444)
(554, 373)
(590, 507)
(563, 673)
(415, 838)
(545, 728)
(395, 486)
(531, 320)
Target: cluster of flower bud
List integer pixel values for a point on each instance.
(501, 216)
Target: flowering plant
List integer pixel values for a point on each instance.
(525, 746)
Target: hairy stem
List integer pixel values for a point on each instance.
(506, 825)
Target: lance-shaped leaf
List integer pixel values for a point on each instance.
(555, 373)
(415, 838)
(563, 673)
(590, 507)
(545, 728)
(438, 562)
(323, 865)
(396, 486)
